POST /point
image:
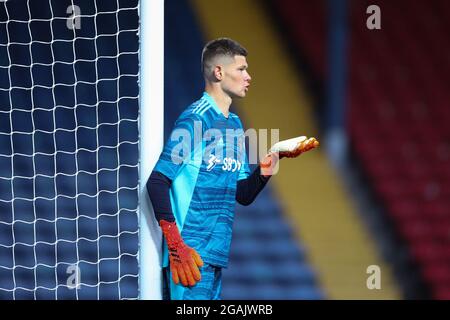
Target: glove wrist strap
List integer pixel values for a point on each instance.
(171, 233)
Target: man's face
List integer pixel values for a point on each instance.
(236, 79)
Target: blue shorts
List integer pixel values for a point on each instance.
(208, 288)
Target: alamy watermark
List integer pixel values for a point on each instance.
(374, 280)
(74, 279)
(373, 22)
(74, 21)
(223, 148)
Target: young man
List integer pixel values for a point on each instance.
(202, 172)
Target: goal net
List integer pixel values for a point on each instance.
(69, 150)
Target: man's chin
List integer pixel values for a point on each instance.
(241, 95)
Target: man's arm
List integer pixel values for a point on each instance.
(158, 188)
(248, 189)
(184, 261)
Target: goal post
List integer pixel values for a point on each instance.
(151, 141)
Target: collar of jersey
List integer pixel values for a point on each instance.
(213, 103)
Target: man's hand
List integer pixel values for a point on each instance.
(184, 261)
(294, 147)
(290, 148)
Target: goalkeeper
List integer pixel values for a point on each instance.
(196, 181)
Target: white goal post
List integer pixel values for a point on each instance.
(151, 141)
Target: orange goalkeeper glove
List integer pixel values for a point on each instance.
(290, 148)
(184, 261)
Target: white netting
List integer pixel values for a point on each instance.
(68, 149)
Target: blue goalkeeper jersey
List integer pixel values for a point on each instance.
(205, 157)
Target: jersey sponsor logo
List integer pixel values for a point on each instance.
(213, 160)
(229, 164)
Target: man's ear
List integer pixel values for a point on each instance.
(218, 72)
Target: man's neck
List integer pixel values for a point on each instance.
(222, 100)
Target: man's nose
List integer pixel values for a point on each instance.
(249, 78)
